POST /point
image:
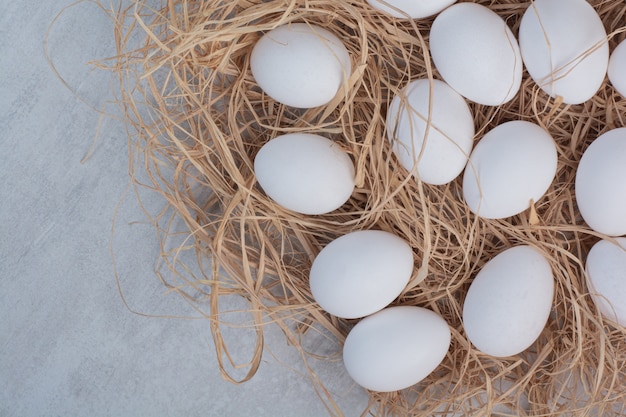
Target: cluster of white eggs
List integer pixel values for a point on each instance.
(431, 130)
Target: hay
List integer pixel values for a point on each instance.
(197, 119)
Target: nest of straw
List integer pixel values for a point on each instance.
(198, 119)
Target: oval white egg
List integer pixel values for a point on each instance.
(441, 148)
(305, 173)
(476, 53)
(617, 68)
(563, 44)
(395, 348)
(606, 278)
(508, 303)
(414, 9)
(360, 273)
(601, 183)
(300, 65)
(511, 165)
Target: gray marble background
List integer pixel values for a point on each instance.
(68, 344)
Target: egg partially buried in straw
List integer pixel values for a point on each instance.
(512, 165)
(617, 68)
(601, 183)
(508, 303)
(360, 273)
(606, 278)
(395, 348)
(413, 9)
(305, 173)
(563, 44)
(432, 128)
(476, 53)
(300, 65)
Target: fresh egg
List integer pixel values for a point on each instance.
(476, 53)
(511, 165)
(441, 148)
(414, 9)
(508, 303)
(606, 278)
(564, 48)
(395, 348)
(300, 65)
(617, 68)
(305, 173)
(601, 183)
(360, 273)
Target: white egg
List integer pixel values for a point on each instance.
(617, 68)
(508, 303)
(476, 53)
(360, 273)
(305, 173)
(441, 148)
(563, 44)
(511, 165)
(601, 183)
(395, 348)
(606, 278)
(300, 65)
(414, 9)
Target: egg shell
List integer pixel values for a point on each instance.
(511, 165)
(305, 173)
(601, 183)
(606, 278)
(414, 9)
(476, 53)
(443, 147)
(360, 273)
(300, 65)
(564, 48)
(395, 348)
(509, 302)
(617, 68)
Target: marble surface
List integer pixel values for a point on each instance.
(69, 346)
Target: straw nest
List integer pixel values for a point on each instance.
(197, 120)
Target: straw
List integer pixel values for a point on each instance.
(197, 120)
